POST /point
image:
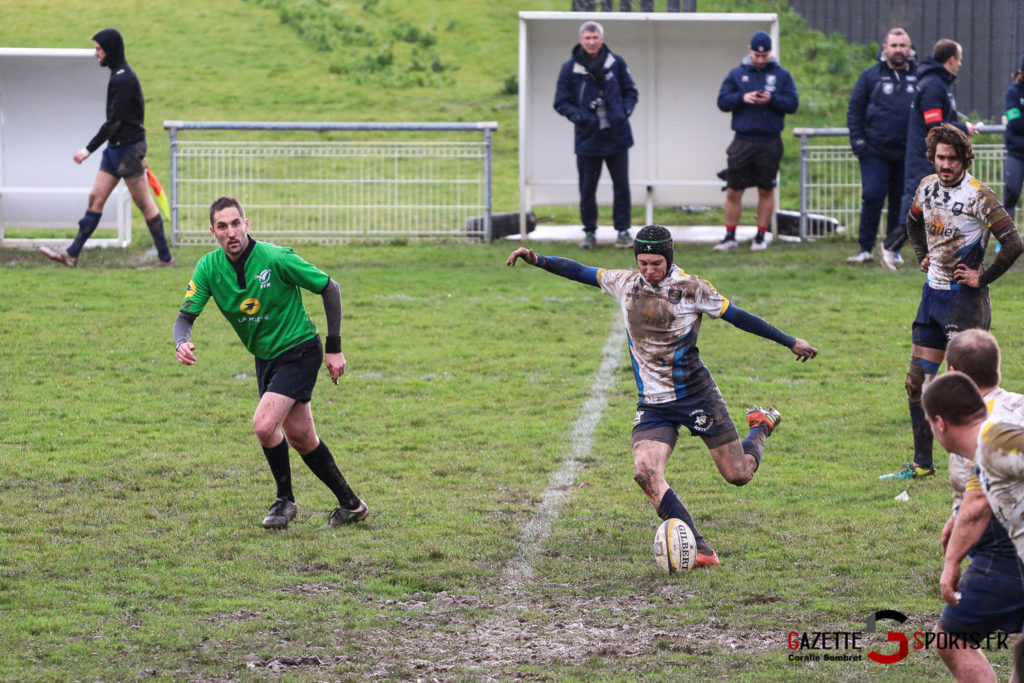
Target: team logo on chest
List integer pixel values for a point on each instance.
(263, 277)
(250, 306)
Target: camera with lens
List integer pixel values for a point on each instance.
(597, 106)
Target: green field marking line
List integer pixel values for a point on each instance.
(581, 439)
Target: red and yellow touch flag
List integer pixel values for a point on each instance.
(158, 193)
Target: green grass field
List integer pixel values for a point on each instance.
(132, 487)
(130, 543)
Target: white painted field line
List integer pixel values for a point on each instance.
(581, 439)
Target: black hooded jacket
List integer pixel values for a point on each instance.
(126, 110)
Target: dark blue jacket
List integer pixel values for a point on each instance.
(607, 78)
(1014, 136)
(877, 114)
(758, 121)
(933, 105)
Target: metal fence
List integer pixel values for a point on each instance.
(830, 176)
(330, 190)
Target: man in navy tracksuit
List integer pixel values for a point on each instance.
(877, 119)
(596, 92)
(933, 105)
(759, 93)
(1013, 140)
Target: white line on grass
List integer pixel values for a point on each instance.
(582, 438)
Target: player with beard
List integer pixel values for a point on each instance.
(257, 287)
(662, 307)
(949, 224)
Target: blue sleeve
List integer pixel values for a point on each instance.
(570, 269)
(630, 96)
(855, 114)
(1014, 119)
(754, 325)
(565, 103)
(729, 95)
(936, 96)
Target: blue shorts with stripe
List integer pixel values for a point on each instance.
(703, 413)
(944, 312)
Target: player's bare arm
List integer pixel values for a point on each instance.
(970, 524)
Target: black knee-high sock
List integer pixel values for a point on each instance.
(277, 458)
(922, 436)
(671, 507)
(322, 464)
(754, 442)
(86, 227)
(156, 229)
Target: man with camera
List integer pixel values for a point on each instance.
(759, 93)
(597, 94)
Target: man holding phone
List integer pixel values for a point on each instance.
(759, 93)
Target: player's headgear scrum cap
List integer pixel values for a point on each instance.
(654, 239)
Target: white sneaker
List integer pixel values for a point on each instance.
(860, 257)
(726, 244)
(890, 259)
(758, 246)
(59, 255)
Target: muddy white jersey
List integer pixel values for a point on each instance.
(1001, 463)
(663, 321)
(957, 222)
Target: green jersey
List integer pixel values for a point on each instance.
(259, 295)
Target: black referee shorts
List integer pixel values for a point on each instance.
(293, 373)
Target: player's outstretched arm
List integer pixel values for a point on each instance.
(748, 322)
(567, 268)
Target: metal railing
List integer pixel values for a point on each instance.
(830, 176)
(330, 190)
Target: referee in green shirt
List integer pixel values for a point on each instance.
(256, 286)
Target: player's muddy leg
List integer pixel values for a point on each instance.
(649, 461)
(924, 364)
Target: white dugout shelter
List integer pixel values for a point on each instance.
(678, 62)
(52, 102)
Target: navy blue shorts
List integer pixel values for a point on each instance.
(753, 163)
(944, 312)
(293, 373)
(991, 598)
(704, 414)
(125, 162)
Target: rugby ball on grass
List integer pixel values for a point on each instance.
(675, 548)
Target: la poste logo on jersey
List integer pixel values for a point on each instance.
(250, 306)
(852, 646)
